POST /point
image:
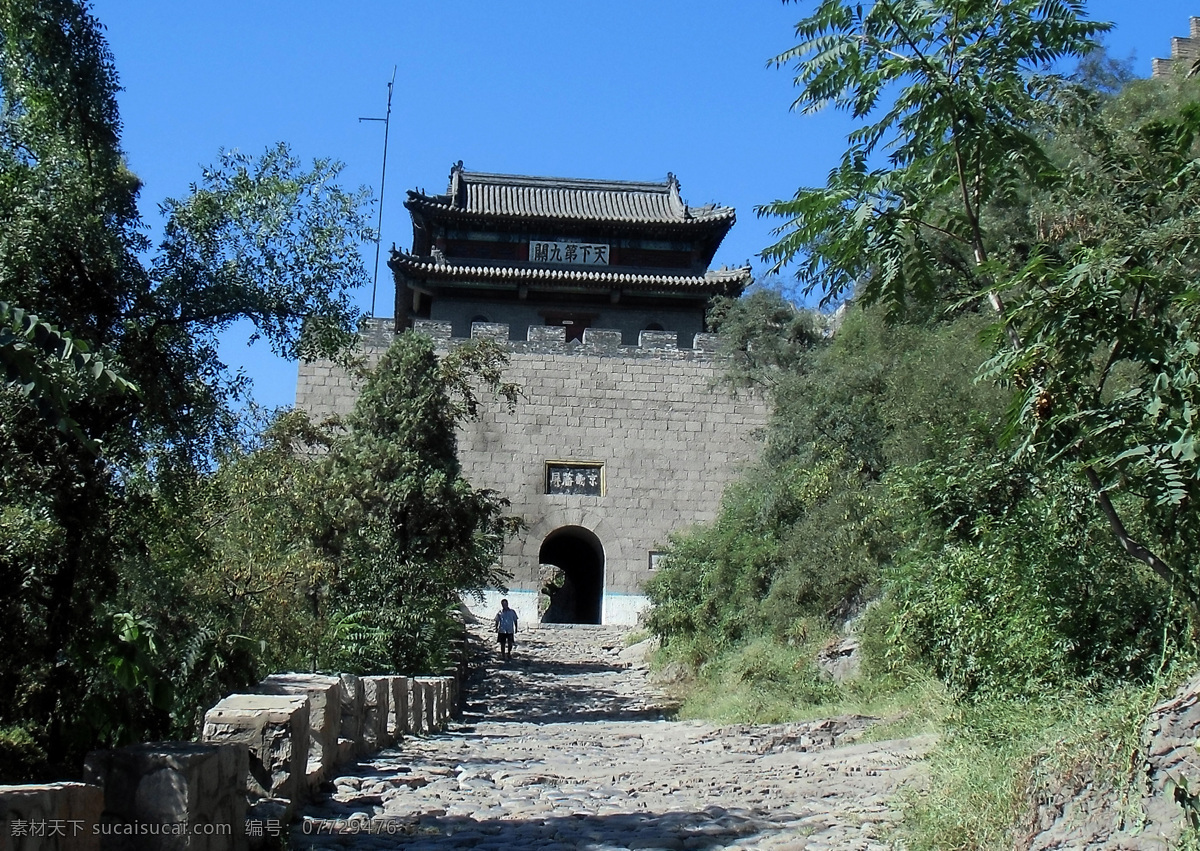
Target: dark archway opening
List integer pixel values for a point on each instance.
(577, 552)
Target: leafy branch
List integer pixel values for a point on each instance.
(46, 365)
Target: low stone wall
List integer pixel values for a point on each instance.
(324, 717)
(350, 741)
(51, 816)
(275, 731)
(198, 786)
(262, 754)
(377, 691)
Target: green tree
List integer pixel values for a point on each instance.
(967, 134)
(228, 577)
(960, 133)
(409, 532)
(1106, 310)
(260, 239)
(884, 474)
(808, 531)
(1008, 583)
(51, 368)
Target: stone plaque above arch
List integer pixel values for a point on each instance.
(575, 478)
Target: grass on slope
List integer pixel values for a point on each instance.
(765, 681)
(995, 758)
(992, 757)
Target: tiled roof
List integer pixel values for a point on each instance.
(713, 281)
(523, 197)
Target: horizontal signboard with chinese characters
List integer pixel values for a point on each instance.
(576, 478)
(568, 253)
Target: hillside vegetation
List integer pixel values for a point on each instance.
(988, 473)
(162, 543)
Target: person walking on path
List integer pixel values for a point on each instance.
(506, 627)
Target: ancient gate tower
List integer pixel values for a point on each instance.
(599, 289)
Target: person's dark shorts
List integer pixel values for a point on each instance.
(506, 640)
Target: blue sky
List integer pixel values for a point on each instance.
(611, 89)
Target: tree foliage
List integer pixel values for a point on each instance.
(259, 239)
(995, 475)
(976, 132)
(266, 240)
(410, 532)
(808, 532)
(1105, 307)
(50, 367)
(109, 346)
(158, 548)
(885, 476)
(950, 90)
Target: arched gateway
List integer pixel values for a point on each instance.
(578, 553)
(622, 434)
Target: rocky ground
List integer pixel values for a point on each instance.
(569, 746)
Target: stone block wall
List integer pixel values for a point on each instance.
(194, 793)
(50, 816)
(432, 703)
(416, 707)
(324, 716)
(238, 788)
(399, 724)
(377, 691)
(668, 436)
(275, 730)
(1185, 50)
(350, 738)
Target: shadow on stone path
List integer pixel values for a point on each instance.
(568, 747)
(562, 674)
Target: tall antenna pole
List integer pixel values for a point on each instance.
(387, 124)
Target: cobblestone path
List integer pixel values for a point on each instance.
(566, 747)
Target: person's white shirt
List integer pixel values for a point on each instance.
(506, 620)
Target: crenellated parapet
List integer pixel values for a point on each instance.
(552, 339)
(1185, 52)
(325, 388)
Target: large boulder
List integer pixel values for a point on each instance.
(275, 730)
(376, 702)
(324, 717)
